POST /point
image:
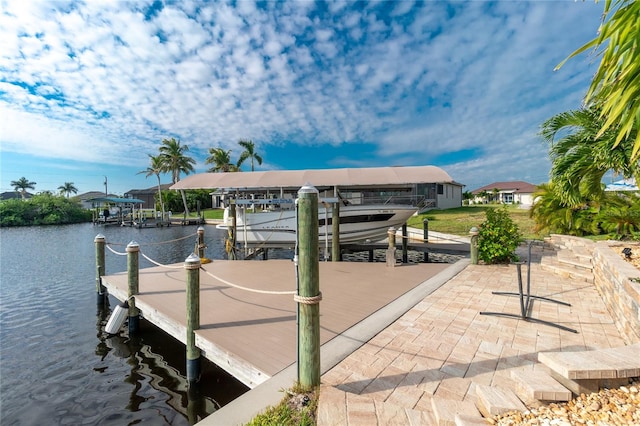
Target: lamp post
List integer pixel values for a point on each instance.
(106, 192)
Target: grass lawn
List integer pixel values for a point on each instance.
(460, 220)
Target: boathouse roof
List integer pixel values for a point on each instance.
(347, 177)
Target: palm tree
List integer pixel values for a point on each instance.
(615, 87)
(21, 185)
(221, 161)
(175, 161)
(155, 168)
(582, 156)
(552, 215)
(68, 189)
(248, 153)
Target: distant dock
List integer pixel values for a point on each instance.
(253, 336)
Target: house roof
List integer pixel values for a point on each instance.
(116, 200)
(150, 190)
(517, 186)
(13, 194)
(325, 177)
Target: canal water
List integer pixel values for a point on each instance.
(57, 366)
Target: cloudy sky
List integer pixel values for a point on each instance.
(88, 90)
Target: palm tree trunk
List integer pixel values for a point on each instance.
(160, 197)
(184, 201)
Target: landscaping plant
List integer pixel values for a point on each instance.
(498, 237)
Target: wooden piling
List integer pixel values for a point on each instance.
(231, 248)
(391, 250)
(405, 244)
(201, 244)
(133, 277)
(308, 296)
(335, 229)
(473, 246)
(100, 242)
(192, 265)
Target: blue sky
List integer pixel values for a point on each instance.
(88, 90)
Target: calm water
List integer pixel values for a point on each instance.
(57, 366)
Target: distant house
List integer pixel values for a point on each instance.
(146, 195)
(85, 198)
(515, 192)
(13, 194)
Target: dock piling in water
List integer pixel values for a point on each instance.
(309, 295)
(391, 250)
(100, 242)
(133, 277)
(192, 265)
(201, 244)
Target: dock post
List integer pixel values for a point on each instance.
(405, 243)
(100, 242)
(474, 245)
(391, 251)
(231, 241)
(309, 295)
(192, 265)
(201, 245)
(133, 277)
(335, 229)
(425, 230)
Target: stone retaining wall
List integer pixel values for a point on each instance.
(617, 281)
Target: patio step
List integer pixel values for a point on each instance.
(588, 371)
(538, 386)
(566, 270)
(578, 261)
(493, 400)
(446, 411)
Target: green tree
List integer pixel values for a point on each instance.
(583, 154)
(67, 189)
(155, 168)
(615, 87)
(21, 185)
(221, 161)
(249, 153)
(175, 160)
(553, 215)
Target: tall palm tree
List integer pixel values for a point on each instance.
(615, 87)
(582, 156)
(221, 161)
(21, 185)
(68, 189)
(175, 161)
(248, 153)
(155, 168)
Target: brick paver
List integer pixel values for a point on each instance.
(443, 347)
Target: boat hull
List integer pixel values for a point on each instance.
(357, 224)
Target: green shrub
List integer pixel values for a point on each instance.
(498, 237)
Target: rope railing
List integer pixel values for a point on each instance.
(160, 264)
(113, 251)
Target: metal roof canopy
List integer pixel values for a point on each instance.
(347, 177)
(116, 200)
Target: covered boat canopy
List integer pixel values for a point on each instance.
(115, 200)
(622, 185)
(348, 177)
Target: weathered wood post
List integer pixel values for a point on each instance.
(201, 244)
(474, 245)
(405, 243)
(231, 249)
(192, 265)
(425, 230)
(100, 242)
(391, 250)
(133, 277)
(335, 229)
(309, 295)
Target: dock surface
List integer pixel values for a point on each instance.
(254, 336)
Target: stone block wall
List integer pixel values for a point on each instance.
(618, 281)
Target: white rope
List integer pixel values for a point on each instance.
(160, 264)
(115, 252)
(246, 288)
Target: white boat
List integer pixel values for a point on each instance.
(358, 223)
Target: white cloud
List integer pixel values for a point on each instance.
(419, 80)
